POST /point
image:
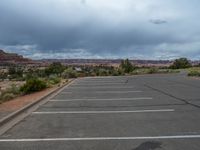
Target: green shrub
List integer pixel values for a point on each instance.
(33, 85)
(54, 80)
(181, 63)
(127, 66)
(55, 68)
(194, 73)
(69, 73)
(102, 72)
(14, 89)
(9, 93)
(152, 70)
(115, 73)
(6, 96)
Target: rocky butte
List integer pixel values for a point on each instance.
(12, 58)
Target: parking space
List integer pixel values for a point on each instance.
(154, 112)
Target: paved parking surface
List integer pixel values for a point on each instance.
(153, 112)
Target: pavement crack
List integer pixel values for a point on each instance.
(170, 95)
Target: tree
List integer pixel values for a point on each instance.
(69, 73)
(181, 63)
(127, 66)
(55, 68)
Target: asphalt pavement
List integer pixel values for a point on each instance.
(150, 112)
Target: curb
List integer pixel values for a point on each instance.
(4, 122)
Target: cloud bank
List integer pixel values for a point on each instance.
(139, 29)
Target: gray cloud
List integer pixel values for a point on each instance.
(158, 21)
(101, 28)
(83, 1)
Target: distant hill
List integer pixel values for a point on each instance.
(12, 58)
(113, 62)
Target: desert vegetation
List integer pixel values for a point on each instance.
(181, 63)
(23, 80)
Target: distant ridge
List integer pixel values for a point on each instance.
(12, 58)
(113, 62)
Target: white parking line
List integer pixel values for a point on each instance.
(111, 99)
(104, 138)
(106, 83)
(103, 112)
(101, 87)
(63, 92)
(117, 92)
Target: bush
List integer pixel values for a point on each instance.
(194, 73)
(6, 96)
(54, 80)
(15, 73)
(33, 85)
(115, 73)
(9, 93)
(69, 73)
(102, 72)
(152, 70)
(127, 66)
(181, 63)
(14, 89)
(55, 68)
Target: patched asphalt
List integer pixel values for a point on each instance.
(150, 112)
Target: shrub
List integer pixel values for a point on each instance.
(54, 80)
(127, 66)
(69, 73)
(194, 73)
(115, 73)
(136, 72)
(33, 85)
(14, 89)
(152, 70)
(102, 72)
(6, 96)
(15, 72)
(181, 63)
(9, 93)
(55, 68)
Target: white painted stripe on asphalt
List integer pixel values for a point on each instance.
(66, 92)
(92, 87)
(116, 92)
(102, 112)
(103, 92)
(111, 99)
(105, 83)
(104, 138)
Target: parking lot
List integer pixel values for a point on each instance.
(150, 112)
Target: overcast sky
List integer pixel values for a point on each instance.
(135, 29)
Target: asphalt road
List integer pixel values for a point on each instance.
(151, 112)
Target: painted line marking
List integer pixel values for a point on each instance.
(103, 112)
(104, 138)
(106, 83)
(63, 92)
(112, 99)
(106, 87)
(117, 92)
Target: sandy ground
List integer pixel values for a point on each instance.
(7, 84)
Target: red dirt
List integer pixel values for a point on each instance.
(19, 102)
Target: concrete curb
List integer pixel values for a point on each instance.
(9, 121)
